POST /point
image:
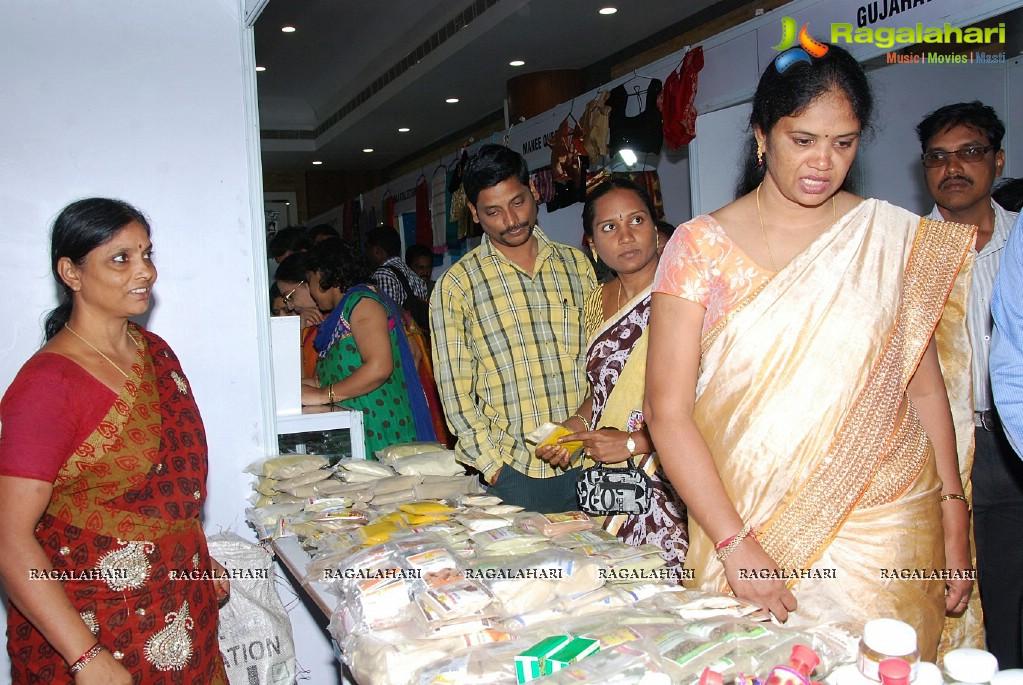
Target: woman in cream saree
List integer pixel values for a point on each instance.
(816, 451)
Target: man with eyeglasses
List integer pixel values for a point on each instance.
(962, 158)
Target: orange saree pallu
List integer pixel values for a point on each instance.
(802, 399)
(122, 531)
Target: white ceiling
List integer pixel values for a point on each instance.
(341, 47)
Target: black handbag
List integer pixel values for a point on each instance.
(605, 491)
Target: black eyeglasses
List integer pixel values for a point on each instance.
(967, 155)
(288, 295)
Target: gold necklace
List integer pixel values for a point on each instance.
(763, 233)
(618, 301)
(97, 351)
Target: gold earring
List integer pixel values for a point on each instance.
(760, 153)
(657, 240)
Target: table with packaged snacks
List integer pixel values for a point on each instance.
(426, 579)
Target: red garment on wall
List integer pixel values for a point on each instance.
(678, 98)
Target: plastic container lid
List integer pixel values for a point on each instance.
(970, 665)
(804, 660)
(894, 672)
(928, 674)
(889, 636)
(1012, 676)
(710, 677)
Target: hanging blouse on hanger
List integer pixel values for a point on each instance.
(642, 133)
(566, 152)
(593, 125)
(678, 98)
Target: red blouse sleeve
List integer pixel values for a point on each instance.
(51, 407)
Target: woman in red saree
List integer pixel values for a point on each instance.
(103, 468)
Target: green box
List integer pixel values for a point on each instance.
(574, 651)
(532, 662)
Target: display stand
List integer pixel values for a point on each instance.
(296, 560)
(325, 418)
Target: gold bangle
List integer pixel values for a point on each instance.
(954, 495)
(733, 545)
(330, 394)
(586, 424)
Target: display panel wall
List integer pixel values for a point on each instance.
(154, 105)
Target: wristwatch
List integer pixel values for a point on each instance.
(630, 445)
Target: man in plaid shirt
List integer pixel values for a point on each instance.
(509, 342)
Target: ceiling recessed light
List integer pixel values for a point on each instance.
(608, 10)
(260, 68)
(317, 162)
(291, 29)
(367, 149)
(451, 101)
(404, 129)
(516, 63)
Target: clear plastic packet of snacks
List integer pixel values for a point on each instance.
(448, 532)
(547, 434)
(597, 601)
(836, 643)
(654, 596)
(341, 516)
(427, 507)
(435, 564)
(505, 540)
(631, 663)
(479, 500)
(393, 658)
(458, 599)
(464, 549)
(322, 488)
(561, 522)
(392, 483)
(477, 521)
(406, 449)
(284, 466)
(489, 664)
(316, 505)
(526, 582)
(378, 531)
(265, 519)
(584, 538)
(266, 486)
(539, 616)
(288, 484)
(503, 509)
(709, 644)
(445, 487)
(694, 605)
(396, 497)
(371, 468)
(438, 463)
(358, 477)
(375, 600)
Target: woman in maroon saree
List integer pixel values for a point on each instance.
(103, 467)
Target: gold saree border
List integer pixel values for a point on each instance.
(798, 532)
(97, 472)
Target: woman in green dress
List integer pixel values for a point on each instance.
(365, 360)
